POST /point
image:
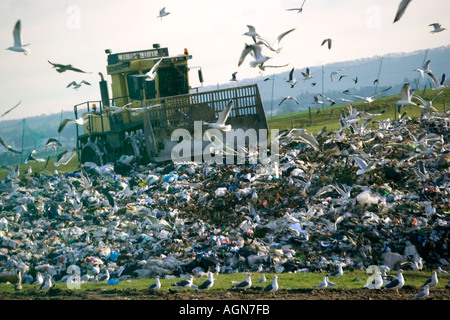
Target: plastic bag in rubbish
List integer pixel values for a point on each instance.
(112, 282)
(366, 197)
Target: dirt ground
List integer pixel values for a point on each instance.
(406, 293)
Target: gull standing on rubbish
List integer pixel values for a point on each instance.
(423, 294)
(263, 279)
(397, 283)
(401, 9)
(442, 271)
(437, 28)
(273, 287)
(155, 286)
(432, 281)
(163, 13)
(18, 46)
(220, 123)
(208, 283)
(247, 283)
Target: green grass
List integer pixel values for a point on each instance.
(286, 281)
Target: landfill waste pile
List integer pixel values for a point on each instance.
(371, 194)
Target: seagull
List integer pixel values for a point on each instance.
(163, 13)
(363, 165)
(233, 76)
(184, 283)
(220, 123)
(305, 137)
(328, 41)
(437, 84)
(276, 45)
(65, 157)
(307, 74)
(18, 284)
(401, 9)
(437, 28)
(289, 98)
(423, 294)
(66, 67)
(425, 69)
(405, 97)
(47, 284)
(263, 68)
(256, 49)
(292, 80)
(244, 284)
(432, 281)
(316, 99)
(76, 85)
(370, 99)
(263, 279)
(31, 157)
(299, 10)
(322, 285)
(80, 121)
(376, 283)
(397, 283)
(151, 75)
(8, 147)
(251, 32)
(18, 46)
(208, 283)
(155, 286)
(9, 110)
(442, 271)
(425, 103)
(339, 272)
(39, 279)
(273, 287)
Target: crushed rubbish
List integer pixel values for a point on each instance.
(318, 208)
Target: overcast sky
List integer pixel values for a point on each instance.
(78, 31)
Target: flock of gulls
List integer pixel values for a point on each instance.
(362, 195)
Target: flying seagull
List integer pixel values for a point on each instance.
(316, 99)
(276, 45)
(299, 10)
(437, 28)
(80, 121)
(328, 41)
(371, 98)
(425, 69)
(66, 67)
(18, 46)
(233, 76)
(31, 157)
(292, 80)
(163, 13)
(9, 110)
(307, 74)
(220, 123)
(256, 50)
(8, 147)
(76, 85)
(289, 98)
(363, 165)
(401, 9)
(244, 284)
(151, 75)
(65, 157)
(52, 143)
(425, 103)
(437, 84)
(263, 67)
(405, 97)
(251, 32)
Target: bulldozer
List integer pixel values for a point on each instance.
(152, 97)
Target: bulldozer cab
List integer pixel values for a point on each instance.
(151, 97)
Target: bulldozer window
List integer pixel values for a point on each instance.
(136, 84)
(173, 81)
